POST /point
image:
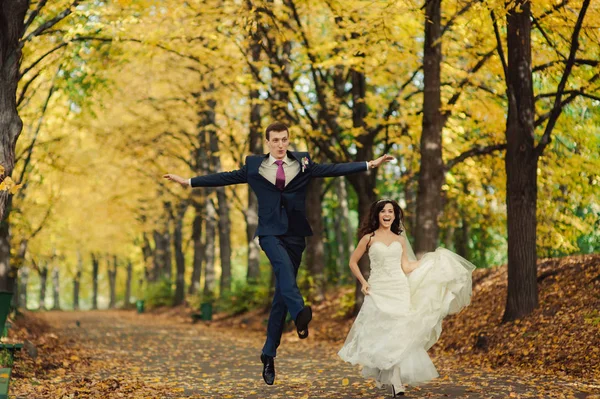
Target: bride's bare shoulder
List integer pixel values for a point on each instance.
(365, 239)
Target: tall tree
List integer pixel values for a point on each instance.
(12, 16)
(56, 286)
(179, 254)
(77, 281)
(111, 268)
(431, 174)
(522, 154)
(128, 283)
(255, 147)
(95, 272)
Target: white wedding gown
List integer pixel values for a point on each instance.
(401, 318)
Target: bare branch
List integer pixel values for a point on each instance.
(39, 126)
(34, 14)
(30, 67)
(26, 87)
(50, 23)
(475, 151)
(557, 109)
(578, 61)
(499, 47)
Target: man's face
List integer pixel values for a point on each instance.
(278, 144)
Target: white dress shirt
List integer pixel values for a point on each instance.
(268, 169)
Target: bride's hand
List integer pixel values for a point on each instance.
(365, 289)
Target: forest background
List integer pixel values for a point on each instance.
(490, 108)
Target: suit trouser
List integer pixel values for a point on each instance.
(285, 254)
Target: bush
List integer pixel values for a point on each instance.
(244, 297)
(159, 293)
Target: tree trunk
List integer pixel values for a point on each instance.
(77, 281)
(521, 167)
(198, 245)
(255, 144)
(167, 271)
(315, 252)
(210, 222)
(149, 271)
(345, 235)
(209, 247)
(449, 240)
(179, 255)
(364, 186)
(43, 271)
(256, 148)
(340, 244)
(410, 211)
(223, 212)
(112, 280)
(128, 282)
(23, 283)
(162, 251)
(431, 174)
(12, 17)
(56, 288)
(95, 270)
(7, 272)
(461, 241)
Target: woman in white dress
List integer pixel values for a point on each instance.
(405, 301)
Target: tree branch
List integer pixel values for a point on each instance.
(31, 66)
(34, 14)
(26, 87)
(475, 151)
(50, 23)
(578, 61)
(557, 109)
(499, 47)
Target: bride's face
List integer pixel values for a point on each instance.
(386, 216)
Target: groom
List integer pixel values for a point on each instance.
(280, 179)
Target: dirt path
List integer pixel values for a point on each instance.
(206, 362)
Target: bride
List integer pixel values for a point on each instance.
(405, 301)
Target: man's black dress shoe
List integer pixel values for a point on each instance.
(268, 368)
(302, 320)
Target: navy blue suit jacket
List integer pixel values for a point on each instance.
(280, 212)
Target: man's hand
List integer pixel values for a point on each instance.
(177, 179)
(380, 160)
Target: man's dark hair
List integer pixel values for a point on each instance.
(276, 127)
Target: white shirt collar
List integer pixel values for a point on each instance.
(286, 160)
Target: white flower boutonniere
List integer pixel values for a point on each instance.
(304, 164)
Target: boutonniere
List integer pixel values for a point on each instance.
(304, 164)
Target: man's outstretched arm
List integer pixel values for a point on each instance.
(342, 169)
(213, 180)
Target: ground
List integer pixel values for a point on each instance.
(121, 354)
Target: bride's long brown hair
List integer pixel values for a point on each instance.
(371, 222)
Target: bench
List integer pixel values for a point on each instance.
(7, 350)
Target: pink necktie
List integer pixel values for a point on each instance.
(280, 176)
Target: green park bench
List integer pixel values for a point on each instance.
(7, 350)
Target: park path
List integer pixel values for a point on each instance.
(208, 362)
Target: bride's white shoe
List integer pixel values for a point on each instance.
(397, 390)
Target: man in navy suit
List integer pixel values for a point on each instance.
(279, 180)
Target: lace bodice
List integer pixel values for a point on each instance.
(385, 259)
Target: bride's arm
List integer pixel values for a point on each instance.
(360, 250)
(407, 265)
